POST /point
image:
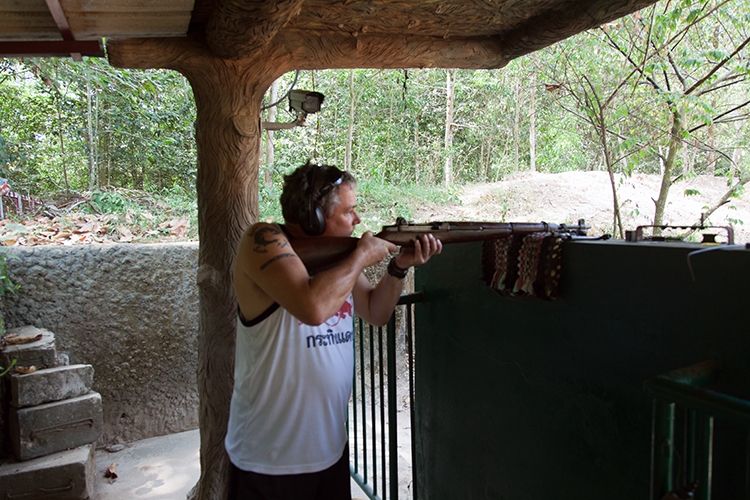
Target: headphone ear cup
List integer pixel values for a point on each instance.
(313, 220)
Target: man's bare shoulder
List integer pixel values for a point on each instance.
(263, 237)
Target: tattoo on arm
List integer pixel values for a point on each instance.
(265, 236)
(274, 259)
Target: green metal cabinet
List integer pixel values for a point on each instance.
(528, 399)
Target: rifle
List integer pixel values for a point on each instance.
(321, 253)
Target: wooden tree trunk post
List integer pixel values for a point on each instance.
(270, 157)
(227, 96)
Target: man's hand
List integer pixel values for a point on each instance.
(374, 249)
(424, 247)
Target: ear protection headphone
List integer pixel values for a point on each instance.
(312, 220)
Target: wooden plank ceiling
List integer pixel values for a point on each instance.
(232, 27)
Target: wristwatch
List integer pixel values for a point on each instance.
(396, 271)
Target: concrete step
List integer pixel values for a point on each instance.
(40, 353)
(51, 384)
(40, 430)
(66, 475)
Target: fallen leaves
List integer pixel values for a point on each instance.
(81, 229)
(15, 339)
(24, 370)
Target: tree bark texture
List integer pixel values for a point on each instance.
(228, 96)
(532, 123)
(675, 141)
(450, 97)
(350, 127)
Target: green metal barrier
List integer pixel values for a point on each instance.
(683, 409)
(373, 436)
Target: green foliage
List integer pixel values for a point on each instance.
(6, 287)
(108, 202)
(620, 84)
(5, 371)
(142, 127)
(6, 284)
(378, 204)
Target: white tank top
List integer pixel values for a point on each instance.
(292, 384)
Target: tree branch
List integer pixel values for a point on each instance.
(717, 67)
(717, 117)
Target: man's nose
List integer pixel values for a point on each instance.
(357, 220)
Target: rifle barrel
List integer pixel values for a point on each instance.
(458, 232)
(321, 253)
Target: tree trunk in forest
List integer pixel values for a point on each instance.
(350, 128)
(732, 192)
(532, 123)
(711, 153)
(609, 163)
(416, 150)
(449, 109)
(93, 172)
(62, 148)
(736, 154)
(675, 141)
(516, 122)
(688, 158)
(268, 173)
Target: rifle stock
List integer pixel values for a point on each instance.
(321, 253)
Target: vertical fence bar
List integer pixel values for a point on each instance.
(662, 448)
(392, 417)
(383, 476)
(412, 416)
(667, 445)
(364, 397)
(692, 453)
(706, 452)
(373, 414)
(355, 345)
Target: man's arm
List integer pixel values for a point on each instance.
(375, 305)
(268, 270)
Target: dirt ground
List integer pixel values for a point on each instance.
(569, 196)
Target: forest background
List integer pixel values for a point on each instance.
(663, 92)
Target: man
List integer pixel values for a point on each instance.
(286, 437)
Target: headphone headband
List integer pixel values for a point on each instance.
(312, 218)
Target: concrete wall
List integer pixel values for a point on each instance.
(131, 311)
(529, 399)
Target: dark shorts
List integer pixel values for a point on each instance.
(332, 483)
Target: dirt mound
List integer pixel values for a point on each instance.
(569, 196)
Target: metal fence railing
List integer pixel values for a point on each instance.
(682, 452)
(381, 460)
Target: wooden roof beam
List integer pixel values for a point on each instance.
(91, 48)
(299, 49)
(570, 19)
(238, 29)
(61, 20)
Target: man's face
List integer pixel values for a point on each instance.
(344, 217)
